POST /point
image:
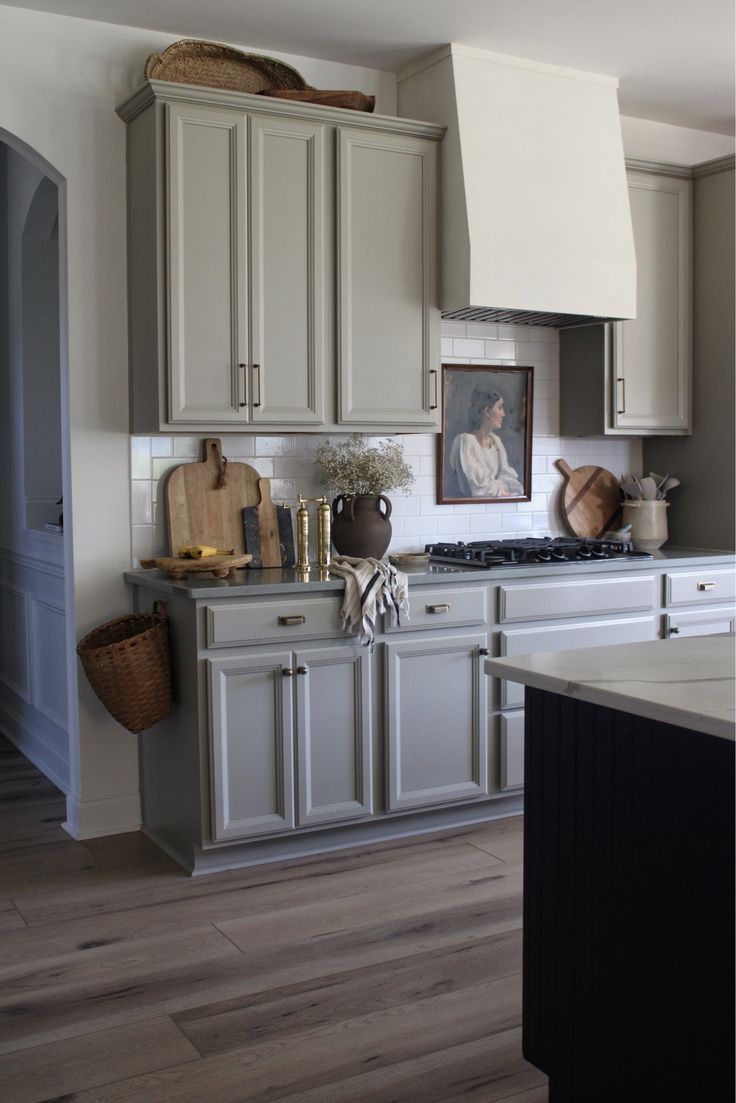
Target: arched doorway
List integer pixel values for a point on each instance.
(38, 705)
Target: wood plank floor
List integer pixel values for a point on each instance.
(390, 974)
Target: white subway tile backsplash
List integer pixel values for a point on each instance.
(162, 446)
(140, 502)
(140, 457)
(162, 464)
(187, 446)
(454, 329)
(467, 347)
(274, 446)
(417, 519)
(499, 350)
(455, 523)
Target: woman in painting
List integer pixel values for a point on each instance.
(478, 458)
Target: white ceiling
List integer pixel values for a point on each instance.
(674, 58)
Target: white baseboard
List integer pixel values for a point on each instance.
(90, 819)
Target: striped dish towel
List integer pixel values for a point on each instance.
(371, 587)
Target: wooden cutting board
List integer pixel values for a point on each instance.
(218, 565)
(269, 533)
(592, 501)
(205, 501)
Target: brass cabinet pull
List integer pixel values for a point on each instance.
(287, 671)
(622, 381)
(257, 370)
(286, 621)
(438, 608)
(302, 670)
(706, 585)
(483, 651)
(433, 405)
(242, 394)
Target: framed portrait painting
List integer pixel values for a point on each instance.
(485, 446)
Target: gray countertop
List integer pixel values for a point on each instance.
(276, 580)
(685, 682)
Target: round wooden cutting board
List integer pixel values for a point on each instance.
(592, 500)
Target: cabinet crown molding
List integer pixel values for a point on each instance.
(154, 91)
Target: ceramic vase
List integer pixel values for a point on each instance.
(360, 528)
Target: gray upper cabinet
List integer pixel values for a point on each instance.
(206, 251)
(282, 265)
(387, 328)
(633, 378)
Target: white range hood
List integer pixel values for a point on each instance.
(536, 225)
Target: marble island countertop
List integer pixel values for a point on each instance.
(686, 682)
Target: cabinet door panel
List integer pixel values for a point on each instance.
(512, 751)
(288, 293)
(437, 717)
(334, 734)
(700, 622)
(207, 274)
(251, 738)
(387, 280)
(652, 352)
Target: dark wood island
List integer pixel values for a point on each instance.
(629, 870)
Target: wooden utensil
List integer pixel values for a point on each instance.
(592, 502)
(269, 534)
(219, 565)
(205, 500)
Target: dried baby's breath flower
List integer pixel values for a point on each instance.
(352, 467)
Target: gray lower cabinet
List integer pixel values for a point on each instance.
(251, 745)
(436, 721)
(279, 253)
(290, 739)
(334, 734)
(700, 602)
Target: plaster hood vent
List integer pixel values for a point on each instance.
(536, 227)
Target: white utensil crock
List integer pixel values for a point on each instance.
(648, 522)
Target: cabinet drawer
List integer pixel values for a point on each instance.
(565, 637)
(711, 620)
(698, 587)
(576, 597)
(273, 621)
(444, 608)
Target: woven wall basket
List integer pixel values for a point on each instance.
(218, 66)
(127, 663)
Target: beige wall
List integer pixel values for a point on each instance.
(701, 513)
(60, 82)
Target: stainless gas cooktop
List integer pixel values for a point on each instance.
(531, 551)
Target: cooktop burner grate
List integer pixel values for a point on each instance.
(537, 550)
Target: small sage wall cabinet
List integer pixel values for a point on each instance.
(633, 378)
(282, 265)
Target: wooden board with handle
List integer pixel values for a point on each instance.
(176, 568)
(205, 501)
(269, 534)
(592, 500)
